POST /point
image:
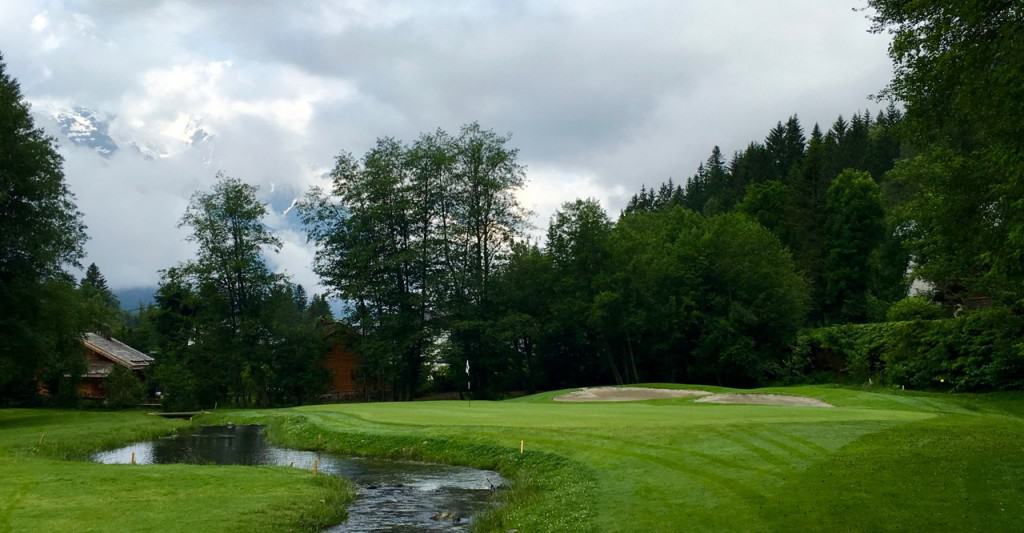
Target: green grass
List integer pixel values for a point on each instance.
(880, 460)
(46, 485)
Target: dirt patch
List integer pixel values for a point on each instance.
(626, 394)
(765, 399)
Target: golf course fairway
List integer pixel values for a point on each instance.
(877, 460)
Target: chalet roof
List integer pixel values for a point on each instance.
(116, 351)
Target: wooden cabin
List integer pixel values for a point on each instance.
(102, 354)
(348, 380)
(342, 365)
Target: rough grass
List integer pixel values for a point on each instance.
(47, 486)
(880, 460)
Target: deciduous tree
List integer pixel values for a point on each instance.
(41, 233)
(853, 229)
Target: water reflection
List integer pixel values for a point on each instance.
(392, 495)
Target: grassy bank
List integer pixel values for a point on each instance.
(877, 461)
(47, 485)
(548, 491)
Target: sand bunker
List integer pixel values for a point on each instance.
(633, 394)
(764, 399)
(626, 394)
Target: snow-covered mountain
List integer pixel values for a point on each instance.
(194, 131)
(148, 151)
(87, 128)
(92, 129)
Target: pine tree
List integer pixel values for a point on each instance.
(696, 190)
(102, 308)
(319, 309)
(785, 144)
(96, 282)
(793, 149)
(752, 165)
(299, 297)
(808, 186)
(95, 279)
(835, 147)
(718, 190)
(665, 193)
(775, 143)
(885, 145)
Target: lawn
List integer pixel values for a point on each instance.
(879, 460)
(46, 485)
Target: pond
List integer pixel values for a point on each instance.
(391, 495)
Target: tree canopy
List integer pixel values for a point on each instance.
(959, 70)
(41, 234)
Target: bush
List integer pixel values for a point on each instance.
(851, 352)
(915, 308)
(177, 386)
(983, 350)
(979, 351)
(123, 388)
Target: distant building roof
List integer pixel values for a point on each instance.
(116, 351)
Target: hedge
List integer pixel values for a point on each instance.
(982, 350)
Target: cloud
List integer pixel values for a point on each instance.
(294, 259)
(549, 188)
(39, 22)
(600, 96)
(132, 208)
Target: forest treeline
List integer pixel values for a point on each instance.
(735, 275)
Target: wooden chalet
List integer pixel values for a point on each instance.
(342, 365)
(102, 354)
(347, 379)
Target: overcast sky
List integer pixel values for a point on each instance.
(600, 97)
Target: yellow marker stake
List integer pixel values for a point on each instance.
(521, 447)
(316, 465)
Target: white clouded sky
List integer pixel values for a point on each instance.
(600, 97)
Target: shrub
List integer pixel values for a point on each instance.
(851, 352)
(915, 308)
(177, 386)
(123, 388)
(983, 350)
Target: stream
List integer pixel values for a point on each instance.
(391, 495)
